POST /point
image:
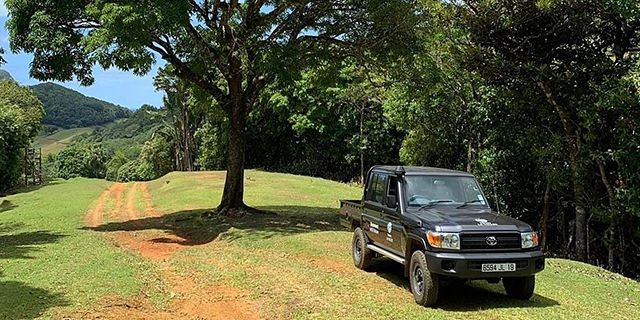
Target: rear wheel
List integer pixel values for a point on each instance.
(359, 251)
(424, 284)
(520, 287)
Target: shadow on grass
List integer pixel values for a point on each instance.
(194, 228)
(21, 301)
(6, 205)
(19, 245)
(28, 189)
(469, 296)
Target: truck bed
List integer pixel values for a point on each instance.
(350, 210)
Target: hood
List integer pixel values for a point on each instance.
(450, 219)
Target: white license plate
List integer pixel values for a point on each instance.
(498, 267)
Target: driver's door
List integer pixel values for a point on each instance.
(382, 223)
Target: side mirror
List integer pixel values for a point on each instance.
(392, 201)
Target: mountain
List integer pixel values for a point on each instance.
(67, 108)
(4, 75)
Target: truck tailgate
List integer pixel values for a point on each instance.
(350, 210)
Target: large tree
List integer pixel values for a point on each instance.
(230, 49)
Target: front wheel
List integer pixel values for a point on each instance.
(359, 251)
(520, 287)
(424, 284)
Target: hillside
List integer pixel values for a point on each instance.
(127, 135)
(59, 140)
(146, 251)
(4, 75)
(67, 108)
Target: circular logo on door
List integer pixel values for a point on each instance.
(389, 227)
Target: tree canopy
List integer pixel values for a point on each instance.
(229, 49)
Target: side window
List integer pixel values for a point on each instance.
(379, 188)
(393, 186)
(373, 182)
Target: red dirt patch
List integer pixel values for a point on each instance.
(216, 302)
(150, 210)
(94, 216)
(132, 211)
(118, 213)
(190, 300)
(150, 246)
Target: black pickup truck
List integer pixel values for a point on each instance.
(439, 225)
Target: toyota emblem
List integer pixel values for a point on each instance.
(492, 241)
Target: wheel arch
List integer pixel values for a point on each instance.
(414, 243)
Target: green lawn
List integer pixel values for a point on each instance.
(59, 140)
(298, 264)
(48, 261)
(294, 264)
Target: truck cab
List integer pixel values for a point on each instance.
(439, 225)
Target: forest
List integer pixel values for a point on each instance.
(539, 99)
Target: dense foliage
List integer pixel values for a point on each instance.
(78, 160)
(67, 108)
(20, 117)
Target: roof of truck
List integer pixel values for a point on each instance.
(422, 170)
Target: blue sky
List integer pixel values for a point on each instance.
(113, 85)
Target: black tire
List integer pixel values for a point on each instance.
(359, 251)
(520, 287)
(424, 284)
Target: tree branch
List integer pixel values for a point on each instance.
(182, 69)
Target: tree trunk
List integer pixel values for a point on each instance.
(613, 225)
(581, 223)
(360, 147)
(545, 216)
(469, 154)
(572, 136)
(233, 196)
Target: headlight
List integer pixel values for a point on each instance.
(444, 240)
(529, 239)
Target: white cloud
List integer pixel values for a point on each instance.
(3, 9)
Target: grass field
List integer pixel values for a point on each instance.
(89, 249)
(59, 140)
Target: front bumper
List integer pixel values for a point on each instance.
(469, 265)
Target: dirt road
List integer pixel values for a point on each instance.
(132, 204)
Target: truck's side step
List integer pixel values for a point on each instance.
(386, 253)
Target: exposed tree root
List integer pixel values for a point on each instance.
(236, 212)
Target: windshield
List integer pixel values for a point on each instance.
(457, 190)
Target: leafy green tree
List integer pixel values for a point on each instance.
(212, 145)
(113, 166)
(81, 160)
(230, 49)
(20, 120)
(333, 124)
(564, 51)
(185, 110)
(158, 154)
(136, 170)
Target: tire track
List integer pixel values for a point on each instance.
(139, 233)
